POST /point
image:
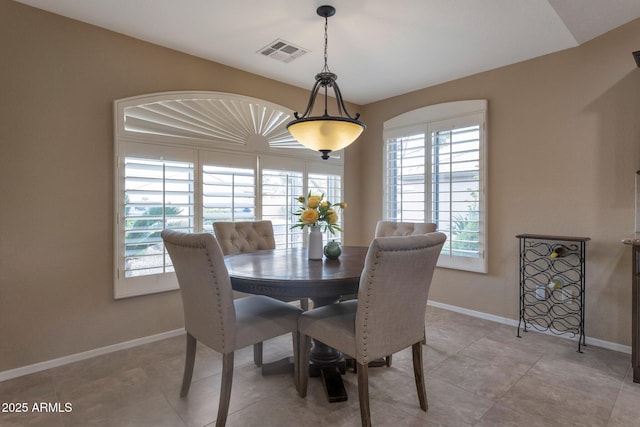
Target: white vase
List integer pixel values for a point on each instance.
(315, 243)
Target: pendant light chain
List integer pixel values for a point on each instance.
(326, 43)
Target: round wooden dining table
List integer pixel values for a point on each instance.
(289, 275)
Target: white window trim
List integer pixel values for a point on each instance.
(418, 121)
(237, 127)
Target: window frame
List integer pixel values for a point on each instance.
(256, 151)
(151, 282)
(425, 121)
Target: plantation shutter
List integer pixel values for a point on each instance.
(156, 190)
(229, 194)
(280, 189)
(331, 186)
(434, 171)
(405, 198)
(455, 184)
(158, 195)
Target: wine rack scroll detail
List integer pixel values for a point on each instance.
(552, 284)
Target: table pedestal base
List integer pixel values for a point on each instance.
(288, 274)
(328, 363)
(333, 385)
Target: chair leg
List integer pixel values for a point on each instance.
(419, 375)
(296, 362)
(304, 353)
(257, 354)
(363, 394)
(188, 364)
(388, 360)
(225, 389)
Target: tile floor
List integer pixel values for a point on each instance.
(478, 373)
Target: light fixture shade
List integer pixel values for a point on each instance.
(325, 134)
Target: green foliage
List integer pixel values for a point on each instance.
(464, 229)
(316, 211)
(145, 231)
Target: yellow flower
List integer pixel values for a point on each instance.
(309, 216)
(332, 216)
(317, 211)
(313, 201)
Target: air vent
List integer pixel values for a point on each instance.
(282, 51)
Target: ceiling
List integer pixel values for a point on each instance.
(377, 49)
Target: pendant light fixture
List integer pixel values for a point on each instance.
(326, 133)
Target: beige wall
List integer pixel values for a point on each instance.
(58, 80)
(564, 146)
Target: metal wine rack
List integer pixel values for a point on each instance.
(552, 286)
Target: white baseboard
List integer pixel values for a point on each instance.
(511, 322)
(42, 366)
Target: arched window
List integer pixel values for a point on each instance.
(184, 160)
(435, 171)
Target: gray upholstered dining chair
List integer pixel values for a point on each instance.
(244, 236)
(213, 317)
(388, 316)
(393, 228)
(248, 236)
